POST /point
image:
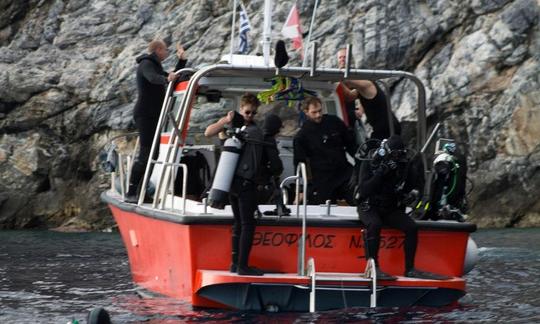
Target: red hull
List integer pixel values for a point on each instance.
(165, 256)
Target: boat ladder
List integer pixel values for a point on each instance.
(369, 275)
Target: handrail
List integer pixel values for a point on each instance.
(330, 72)
(164, 110)
(184, 184)
(431, 136)
(173, 139)
(301, 174)
(311, 272)
(301, 171)
(301, 72)
(121, 175)
(155, 142)
(371, 270)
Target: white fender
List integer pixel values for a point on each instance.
(471, 256)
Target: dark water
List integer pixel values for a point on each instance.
(49, 277)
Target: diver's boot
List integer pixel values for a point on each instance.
(249, 271)
(137, 173)
(234, 253)
(244, 249)
(414, 273)
(131, 194)
(383, 275)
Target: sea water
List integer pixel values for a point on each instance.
(51, 277)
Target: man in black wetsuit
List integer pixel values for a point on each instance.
(373, 100)
(383, 183)
(151, 85)
(255, 158)
(321, 143)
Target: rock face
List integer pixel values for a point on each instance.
(67, 86)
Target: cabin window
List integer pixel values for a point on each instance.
(330, 107)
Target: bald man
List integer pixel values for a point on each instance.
(152, 81)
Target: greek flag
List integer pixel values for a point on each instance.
(243, 28)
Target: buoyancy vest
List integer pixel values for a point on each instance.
(251, 157)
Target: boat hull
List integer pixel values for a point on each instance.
(168, 254)
(289, 292)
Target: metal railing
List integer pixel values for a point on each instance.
(301, 174)
(165, 109)
(370, 272)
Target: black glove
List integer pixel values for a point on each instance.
(382, 169)
(392, 165)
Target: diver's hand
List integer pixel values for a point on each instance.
(392, 165)
(228, 118)
(180, 52)
(172, 76)
(382, 169)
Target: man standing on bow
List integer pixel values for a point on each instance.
(151, 86)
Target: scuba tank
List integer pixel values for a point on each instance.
(218, 196)
(448, 186)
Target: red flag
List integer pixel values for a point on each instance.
(293, 29)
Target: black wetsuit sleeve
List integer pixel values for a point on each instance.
(149, 72)
(376, 110)
(299, 149)
(369, 181)
(180, 65)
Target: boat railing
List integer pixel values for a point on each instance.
(161, 204)
(125, 162)
(300, 179)
(121, 170)
(369, 275)
(160, 193)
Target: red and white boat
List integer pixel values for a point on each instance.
(180, 247)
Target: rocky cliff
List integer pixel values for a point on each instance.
(67, 86)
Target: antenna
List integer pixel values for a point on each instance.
(348, 61)
(313, 59)
(310, 29)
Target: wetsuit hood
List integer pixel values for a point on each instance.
(272, 124)
(395, 143)
(152, 57)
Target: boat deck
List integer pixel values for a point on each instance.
(211, 277)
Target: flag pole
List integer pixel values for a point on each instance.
(267, 31)
(304, 62)
(232, 31)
